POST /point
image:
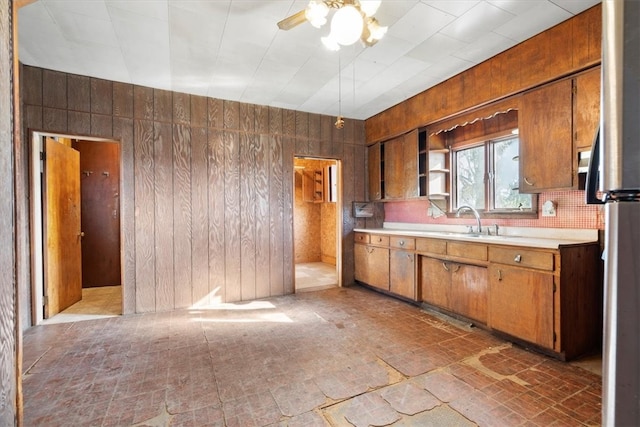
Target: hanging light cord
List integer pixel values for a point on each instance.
(339, 121)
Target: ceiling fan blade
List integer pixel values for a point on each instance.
(292, 21)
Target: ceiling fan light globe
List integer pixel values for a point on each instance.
(376, 31)
(330, 43)
(369, 7)
(347, 25)
(316, 13)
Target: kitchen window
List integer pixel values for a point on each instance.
(485, 176)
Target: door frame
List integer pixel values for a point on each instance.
(339, 213)
(36, 217)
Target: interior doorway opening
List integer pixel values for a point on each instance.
(76, 237)
(317, 225)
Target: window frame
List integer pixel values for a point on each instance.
(488, 141)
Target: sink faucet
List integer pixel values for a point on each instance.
(475, 213)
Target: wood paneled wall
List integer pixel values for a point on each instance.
(207, 184)
(9, 357)
(569, 47)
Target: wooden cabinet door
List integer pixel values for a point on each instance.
(372, 266)
(393, 169)
(469, 291)
(410, 161)
(435, 282)
(375, 190)
(521, 303)
(402, 273)
(361, 263)
(546, 143)
(586, 108)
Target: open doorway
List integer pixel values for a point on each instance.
(76, 233)
(316, 223)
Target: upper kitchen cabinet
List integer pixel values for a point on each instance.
(376, 166)
(586, 108)
(546, 143)
(393, 168)
(557, 121)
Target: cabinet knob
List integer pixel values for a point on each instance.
(518, 258)
(499, 274)
(401, 242)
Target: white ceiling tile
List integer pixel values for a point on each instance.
(477, 22)
(535, 20)
(420, 23)
(484, 48)
(576, 6)
(92, 9)
(436, 47)
(447, 68)
(156, 9)
(452, 7)
(232, 49)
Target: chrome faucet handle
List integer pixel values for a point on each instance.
(496, 228)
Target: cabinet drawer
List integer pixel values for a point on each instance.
(362, 237)
(522, 257)
(376, 239)
(403, 242)
(434, 246)
(467, 250)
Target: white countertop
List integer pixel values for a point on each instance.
(546, 238)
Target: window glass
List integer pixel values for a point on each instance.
(486, 177)
(505, 187)
(470, 172)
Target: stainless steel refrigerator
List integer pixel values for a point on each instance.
(615, 164)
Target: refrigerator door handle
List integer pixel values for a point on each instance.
(591, 186)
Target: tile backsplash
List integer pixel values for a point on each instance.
(571, 212)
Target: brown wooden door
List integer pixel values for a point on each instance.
(62, 232)
(521, 303)
(100, 186)
(546, 143)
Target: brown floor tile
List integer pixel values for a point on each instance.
(345, 355)
(408, 398)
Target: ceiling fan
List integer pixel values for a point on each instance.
(352, 20)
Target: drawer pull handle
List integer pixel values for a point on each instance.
(500, 275)
(518, 258)
(445, 266)
(370, 250)
(457, 268)
(527, 181)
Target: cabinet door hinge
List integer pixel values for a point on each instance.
(554, 286)
(45, 300)
(555, 337)
(43, 156)
(574, 89)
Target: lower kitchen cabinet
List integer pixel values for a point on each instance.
(521, 303)
(372, 265)
(456, 287)
(469, 291)
(550, 298)
(402, 277)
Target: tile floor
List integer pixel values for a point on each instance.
(314, 276)
(336, 357)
